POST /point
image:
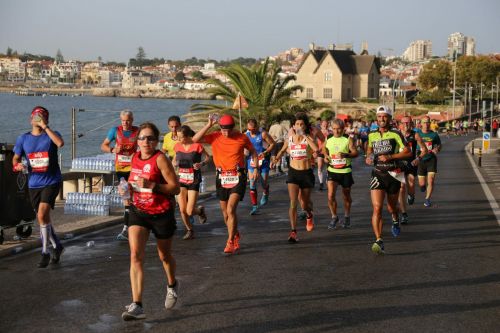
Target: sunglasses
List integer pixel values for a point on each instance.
(149, 138)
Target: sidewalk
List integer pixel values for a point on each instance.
(70, 226)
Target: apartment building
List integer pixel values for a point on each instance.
(461, 45)
(418, 50)
(135, 78)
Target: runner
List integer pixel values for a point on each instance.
(258, 138)
(39, 148)
(321, 157)
(188, 160)
(300, 179)
(153, 185)
(228, 147)
(171, 138)
(410, 171)
(125, 137)
(387, 146)
(363, 135)
(278, 132)
(339, 150)
(427, 167)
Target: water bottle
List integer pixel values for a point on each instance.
(25, 165)
(124, 187)
(202, 185)
(90, 244)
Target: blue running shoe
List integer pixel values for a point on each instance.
(333, 223)
(404, 218)
(427, 203)
(263, 200)
(396, 229)
(378, 247)
(254, 210)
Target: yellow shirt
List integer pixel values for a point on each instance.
(434, 127)
(168, 145)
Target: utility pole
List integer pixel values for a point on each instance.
(470, 103)
(454, 80)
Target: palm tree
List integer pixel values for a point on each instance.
(268, 94)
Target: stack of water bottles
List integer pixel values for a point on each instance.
(87, 204)
(102, 162)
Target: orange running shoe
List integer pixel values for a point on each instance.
(309, 223)
(236, 242)
(292, 238)
(229, 247)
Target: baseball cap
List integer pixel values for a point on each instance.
(384, 109)
(226, 121)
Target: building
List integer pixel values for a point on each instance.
(460, 44)
(135, 78)
(109, 78)
(338, 75)
(418, 50)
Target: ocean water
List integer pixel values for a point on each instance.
(92, 125)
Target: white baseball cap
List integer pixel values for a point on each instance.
(384, 109)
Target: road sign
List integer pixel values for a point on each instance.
(486, 141)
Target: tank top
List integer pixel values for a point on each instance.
(298, 151)
(128, 146)
(185, 159)
(335, 146)
(145, 199)
(258, 143)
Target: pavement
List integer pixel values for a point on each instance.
(440, 275)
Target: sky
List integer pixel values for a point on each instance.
(227, 29)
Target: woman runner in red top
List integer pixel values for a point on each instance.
(188, 162)
(153, 184)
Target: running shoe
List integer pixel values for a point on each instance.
(264, 199)
(309, 223)
(333, 223)
(188, 235)
(56, 255)
(254, 210)
(171, 298)
(292, 238)
(404, 218)
(122, 236)
(229, 249)
(236, 242)
(347, 222)
(378, 247)
(396, 229)
(427, 203)
(202, 217)
(302, 215)
(134, 312)
(44, 261)
(410, 199)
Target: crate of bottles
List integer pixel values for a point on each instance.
(87, 204)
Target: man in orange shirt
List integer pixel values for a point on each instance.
(228, 146)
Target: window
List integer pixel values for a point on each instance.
(327, 93)
(309, 93)
(328, 76)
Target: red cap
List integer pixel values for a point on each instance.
(40, 110)
(226, 120)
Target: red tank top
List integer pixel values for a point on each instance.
(144, 198)
(128, 146)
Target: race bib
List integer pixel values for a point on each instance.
(298, 152)
(337, 162)
(39, 161)
(186, 175)
(252, 164)
(398, 175)
(229, 178)
(124, 160)
(428, 144)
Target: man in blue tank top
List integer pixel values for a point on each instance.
(263, 144)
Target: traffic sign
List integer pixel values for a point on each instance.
(486, 141)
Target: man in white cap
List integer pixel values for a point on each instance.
(385, 147)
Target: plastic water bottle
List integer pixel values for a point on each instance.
(124, 187)
(90, 244)
(202, 185)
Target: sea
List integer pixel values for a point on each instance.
(95, 116)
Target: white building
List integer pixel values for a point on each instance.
(110, 78)
(135, 78)
(470, 46)
(461, 44)
(418, 50)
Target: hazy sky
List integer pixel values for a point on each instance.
(226, 29)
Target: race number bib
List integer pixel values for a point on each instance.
(252, 164)
(39, 161)
(186, 175)
(124, 160)
(338, 162)
(229, 178)
(428, 144)
(298, 152)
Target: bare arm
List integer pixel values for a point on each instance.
(270, 143)
(201, 133)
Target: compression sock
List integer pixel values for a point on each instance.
(44, 236)
(56, 244)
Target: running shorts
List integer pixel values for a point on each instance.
(47, 194)
(302, 178)
(384, 181)
(162, 225)
(240, 188)
(344, 179)
(195, 186)
(426, 166)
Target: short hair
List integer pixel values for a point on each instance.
(338, 122)
(151, 126)
(252, 121)
(186, 131)
(126, 112)
(174, 118)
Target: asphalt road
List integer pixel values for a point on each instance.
(441, 275)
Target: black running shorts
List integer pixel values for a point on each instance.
(240, 188)
(163, 225)
(384, 181)
(343, 179)
(47, 194)
(302, 178)
(426, 166)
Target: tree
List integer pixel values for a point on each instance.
(59, 56)
(141, 56)
(437, 74)
(99, 59)
(269, 96)
(9, 52)
(197, 75)
(180, 77)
